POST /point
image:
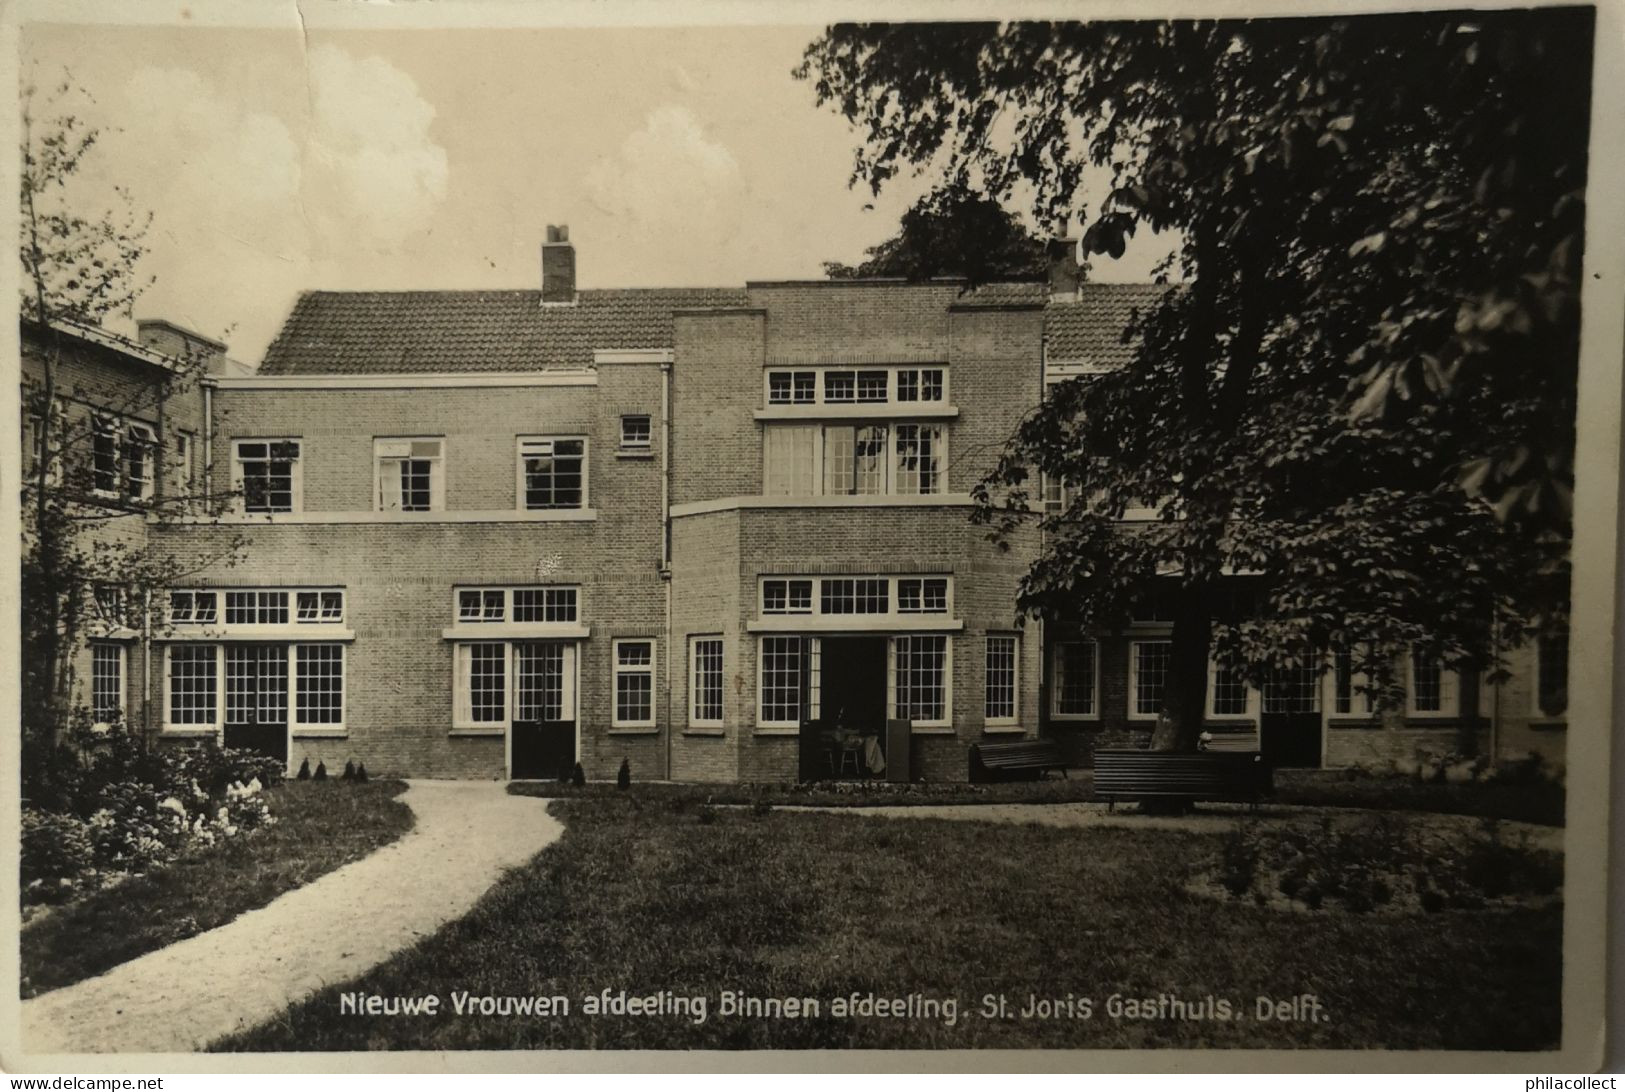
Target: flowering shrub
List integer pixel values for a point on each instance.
(56, 850)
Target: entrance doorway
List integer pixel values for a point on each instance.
(543, 733)
(1289, 724)
(849, 740)
(257, 699)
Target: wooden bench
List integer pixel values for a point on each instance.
(1133, 774)
(1016, 759)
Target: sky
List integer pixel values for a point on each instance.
(276, 161)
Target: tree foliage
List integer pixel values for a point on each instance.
(1355, 415)
(954, 231)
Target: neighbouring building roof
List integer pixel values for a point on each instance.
(1089, 328)
(353, 333)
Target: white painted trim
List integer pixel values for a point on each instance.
(519, 470)
(615, 673)
(696, 722)
(863, 500)
(410, 381)
(632, 356)
(500, 515)
(304, 633)
(866, 411)
(517, 631)
(437, 470)
(1014, 719)
(855, 623)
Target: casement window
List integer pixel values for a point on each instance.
(106, 682)
(411, 474)
(1003, 658)
(192, 679)
(1430, 690)
(1074, 679)
(193, 607)
(104, 475)
(552, 472)
(318, 684)
(919, 459)
(786, 596)
(1148, 677)
(256, 684)
(1351, 694)
(185, 463)
(481, 698)
(37, 444)
(1552, 676)
(256, 608)
(779, 682)
(857, 595)
(637, 432)
(845, 595)
(922, 595)
(634, 671)
(110, 604)
(1228, 694)
(268, 476)
(1055, 495)
(319, 606)
(856, 386)
(140, 458)
(529, 605)
(919, 678)
(705, 682)
(544, 604)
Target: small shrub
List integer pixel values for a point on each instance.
(349, 771)
(304, 771)
(623, 779)
(578, 776)
(321, 771)
(361, 772)
(1238, 864)
(56, 851)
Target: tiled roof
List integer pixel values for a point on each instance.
(1090, 327)
(350, 333)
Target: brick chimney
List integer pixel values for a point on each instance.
(558, 266)
(1064, 273)
(171, 339)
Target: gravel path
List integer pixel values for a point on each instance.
(1211, 819)
(187, 995)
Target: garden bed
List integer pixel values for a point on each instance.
(320, 826)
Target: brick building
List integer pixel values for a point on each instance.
(720, 534)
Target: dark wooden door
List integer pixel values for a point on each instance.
(1289, 726)
(257, 699)
(544, 716)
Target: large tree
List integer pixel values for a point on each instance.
(1355, 414)
(953, 231)
(81, 265)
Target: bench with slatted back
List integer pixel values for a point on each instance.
(1133, 774)
(1022, 758)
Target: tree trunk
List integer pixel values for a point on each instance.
(1184, 702)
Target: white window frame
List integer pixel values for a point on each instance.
(1250, 706)
(296, 473)
(1013, 720)
(462, 693)
(817, 603)
(762, 720)
(218, 718)
(1055, 679)
(695, 720)
(1449, 693)
(295, 720)
(817, 471)
(616, 670)
(507, 592)
(947, 718)
(647, 443)
(437, 470)
(121, 660)
(1359, 690)
(519, 472)
(324, 616)
(191, 619)
(1134, 676)
(820, 375)
(139, 437)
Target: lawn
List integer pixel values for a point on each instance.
(1538, 802)
(648, 892)
(319, 827)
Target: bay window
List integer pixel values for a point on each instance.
(837, 459)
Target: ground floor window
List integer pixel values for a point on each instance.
(1075, 675)
(634, 684)
(191, 683)
(481, 700)
(1552, 671)
(920, 678)
(106, 682)
(256, 684)
(705, 681)
(319, 684)
(999, 704)
(1432, 691)
(1350, 689)
(1148, 676)
(1227, 693)
(780, 681)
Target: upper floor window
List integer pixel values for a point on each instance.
(637, 432)
(121, 457)
(267, 473)
(110, 604)
(841, 595)
(854, 460)
(411, 474)
(856, 386)
(552, 472)
(185, 462)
